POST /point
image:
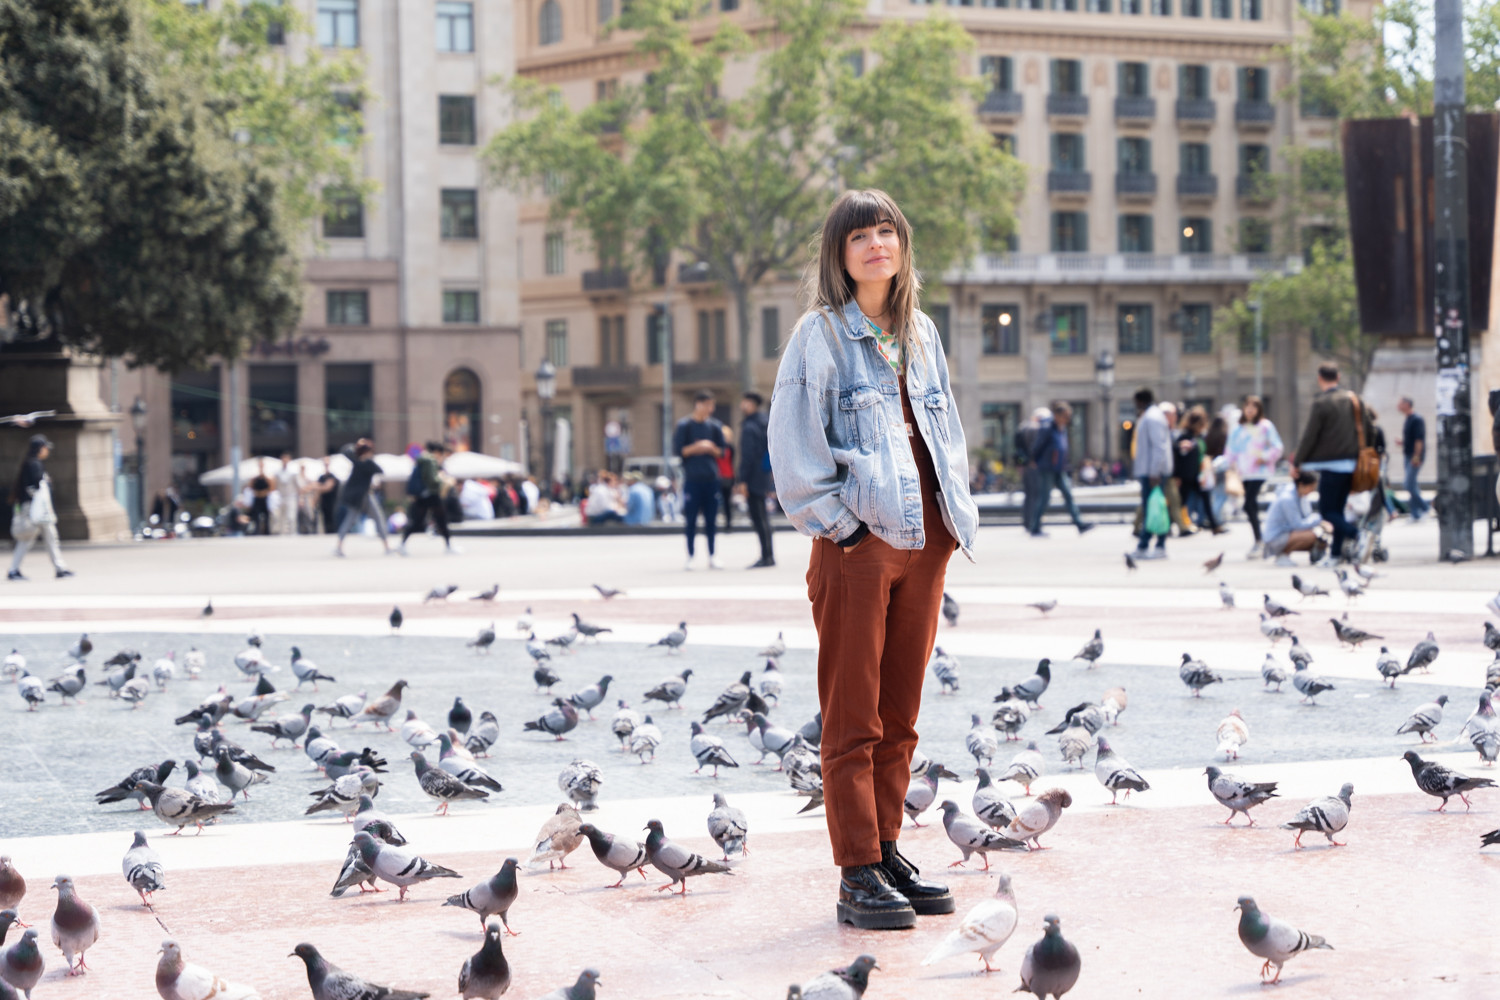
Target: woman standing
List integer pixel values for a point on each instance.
(1188, 469)
(1254, 448)
(33, 513)
(289, 490)
(869, 458)
(260, 503)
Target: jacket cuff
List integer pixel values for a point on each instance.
(854, 536)
(845, 526)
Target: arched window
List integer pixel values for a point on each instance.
(461, 412)
(549, 23)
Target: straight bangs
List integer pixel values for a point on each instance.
(829, 283)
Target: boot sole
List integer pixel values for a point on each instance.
(932, 905)
(877, 920)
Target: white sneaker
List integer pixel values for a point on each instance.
(689, 564)
(453, 550)
(1255, 551)
(713, 563)
(1284, 561)
(401, 550)
(1327, 562)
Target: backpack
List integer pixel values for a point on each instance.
(414, 481)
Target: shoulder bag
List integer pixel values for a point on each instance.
(1367, 462)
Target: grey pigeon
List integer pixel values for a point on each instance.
(1443, 782)
(75, 925)
(1226, 596)
(494, 896)
(582, 988)
(319, 748)
(1298, 653)
(980, 741)
(367, 814)
(563, 718)
(1309, 684)
(442, 786)
(179, 807)
(396, 618)
(1040, 816)
(485, 974)
(1196, 675)
(1023, 767)
(82, 648)
(674, 639)
(945, 669)
(343, 795)
(1074, 743)
(1275, 608)
(545, 677)
(1307, 589)
(615, 853)
(1010, 715)
(950, 610)
(21, 965)
(1032, 688)
(487, 594)
(589, 698)
(1351, 588)
(1388, 665)
(142, 869)
(1424, 719)
(1482, 730)
(776, 649)
(68, 685)
(1115, 773)
(557, 838)
(1422, 654)
(1491, 637)
(397, 865)
(462, 768)
(117, 679)
(848, 983)
(1274, 940)
(482, 642)
(677, 862)
(1351, 636)
(233, 776)
(1092, 650)
(767, 737)
(771, 681)
(728, 827)
(580, 782)
(537, 649)
(460, 716)
(1086, 715)
(177, 979)
(588, 629)
(287, 727)
(644, 739)
(129, 786)
(1272, 673)
(731, 700)
(135, 691)
(354, 871)
(483, 734)
(441, 592)
(1327, 815)
(564, 642)
(670, 690)
(922, 791)
(1043, 606)
(328, 982)
(812, 730)
(1238, 796)
(343, 707)
(709, 750)
(1051, 966)
(1273, 629)
(307, 671)
(971, 836)
(12, 885)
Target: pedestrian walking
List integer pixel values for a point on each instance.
(863, 421)
(1031, 480)
(357, 497)
(1193, 471)
(1290, 525)
(1413, 451)
(1337, 428)
(261, 485)
(755, 474)
(1176, 510)
(726, 478)
(1151, 467)
(1049, 453)
(289, 487)
(426, 489)
(327, 490)
(1254, 449)
(33, 515)
(698, 441)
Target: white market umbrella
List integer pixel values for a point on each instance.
(249, 469)
(473, 465)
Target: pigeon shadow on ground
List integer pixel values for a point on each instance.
(1258, 988)
(979, 974)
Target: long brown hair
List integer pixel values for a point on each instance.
(1260, 410)
(829, 282)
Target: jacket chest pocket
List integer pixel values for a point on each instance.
(936, 403)
(863, 419)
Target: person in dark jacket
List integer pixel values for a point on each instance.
(357, 496)
(698, 441)
(755, 474)
(1330, 447)
(32, 496)
(429, 501)
(1049, 452)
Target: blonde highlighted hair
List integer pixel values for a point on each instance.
(829, 285)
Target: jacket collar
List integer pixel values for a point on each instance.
(856, 326)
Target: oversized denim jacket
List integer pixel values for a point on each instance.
(837, 435)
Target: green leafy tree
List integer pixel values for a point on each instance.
(158, 167)
(741, 184)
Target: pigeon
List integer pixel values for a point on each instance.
(82, 648)
(676, 862)
(482, 642)
(950, 610)
(250, 708)
(981, 742)
(588, 698)
(670, 690)
(922, 791)
(623, 723)
(1039, 817)
(142, 869)
(306, 670)
(1442, 782)
(983, 930)
(494, 896)
(75, 924)
(12, 887)
(354, 871)
(1233, 733)
(399, 867)
(644, 739)
(1043, 606)
(396, 618)
(486, 595)
(1086, 715)
(1327, 815)
(287, 727)
(1307, 589)
(1092, 650)
(1298, 654)
(776, 649)
(235, 776)
(580, 782)
(440, 593)
(990, 804)
(1274, 940)
(1115, 773)
(1491, 637)
(545, 677)
(563, 641)
(12, 665)
(179, 807)
(1074, 744)
(344, 794)
(812, 730)
(587, 629)
(343, 707)
(129, 786)
(673, 640)
(1348, 635)
(1212, 564)
(176, 979)
(1424, 719)
(618, 855)
(122, 657)
(563, 718)
(1238, 796)
(770, 737)
(848, 983)
(1351, 588)
(1422, 654)
(945, 669)
(709, 751)
(1130, 563)
(164, 670)
(1032, 688)
(350, 761)
(972, 836)
(1196, 675)
(255, 639)
(582, 988)
(68, 685)
(731, 700)
(328, 982)
(800, 757)
(728, 827)
(1010, 715)
(319, 748)
(557, 838)
(1051, 966)
(442, 786)
(117, 679)
(1272, 673)
(1482, 730)
(770, 681)
(1113, 705)
(135, 691)
(1226, 596)
(1023, 768)
(1489, 839)
(21, 965)
(382, 709)
(1273, 629)
(485, 974)
(605, 592)
(1310, 684)
(524, 623)
(1275, 608)
(483, 734)
(251, 662)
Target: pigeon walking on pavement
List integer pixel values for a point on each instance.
(981, 742)
(1238, 796)
(441, 786)
(1233, 733)
(1023, 767)
(1273, 629)
(1275, 608)
(990, 804)
(1350, 636)
(485, 975)
(1272, 672)
(399, 866)
(563, 718)
(382, 709)
(673, 640)
(950, 610)
(670, 690)
(1011, 714)
(588, 629)
(616, 853)
(1443, 782)
(731, 700)
(1226, 596)
(676, 862)
(1422, 654)
(1274, 940)
(1389, 666)
(178, 979)
(848, 983)
(591, 697)
(557, 838)
(1032, 688)
(22, 965)
(1051, 966)
(582, 988)
(180, 808)
(1424, 719)
(580, 782)
(396, 618)
(75, 924)
(328, 982)
(1092, 650)
(307, 671)
(143, 869)
(1196, 675)
(484, 640)
(728, 827)
(971, 836)
(1039, 817)
(945, 668)
(1310, 684)
(776, 648)
(1212, 564)
(922, 791)
(1115, 773)
(492, 897)
(1327, 815)
(1482, 730)
(983, 930)
(709, 750)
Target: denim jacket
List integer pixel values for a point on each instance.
(839, 451)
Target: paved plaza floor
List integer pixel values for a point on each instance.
(1146, 890)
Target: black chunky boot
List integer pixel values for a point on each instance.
(867, 900)
(926, 897)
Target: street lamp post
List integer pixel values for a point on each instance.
(138, 420)
(1104, 374)
(546, 388)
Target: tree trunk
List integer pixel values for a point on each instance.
(741, 293)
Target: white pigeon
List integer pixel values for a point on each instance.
(1226, 596)
(1233, 733)
(983, 930)
(945, 669)
(981, 741)
(163, 670)
(177, 979)
(1024, 767)
(1113, 704)
(524, 623)
(142, 869)
(418, 734)
(194, 660)
(14, 664)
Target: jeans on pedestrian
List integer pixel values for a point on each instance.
(700, 496)
(1031, 485)
(1146, 536)
(1418, 505)
(761, 522)
(47, 532)
(1252, 504)
(260, 515)
(1047, 481)
(349, 516)
(1333, 494)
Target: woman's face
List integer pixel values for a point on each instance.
(42, 455)
(873, 255)
(1252, 413)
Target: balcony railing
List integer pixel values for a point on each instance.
(705, 371)
(606, 376)
(1198, 185)
(1137, 108)
(1254, 187)
(999, 102)
(1135, 183)
(606, 279)
(1193, 109)
(1257, 113)
(1068, 105)
(1069, 181)
(1123, 268)
(693, 274)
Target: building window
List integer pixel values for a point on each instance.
(1134, 156)
(348, 403)
(1067, 152)
(276, 30)
(1255, 84)
(611, 340)
(1066, 5)
(552, 183)
(344, 217)
(455, 26)
(1135, 329)
(656, 336)
(1197, 236)
(1192, 83)
(1192, 8)
(1096, 6)
(1136, 234)
(1193, 159)
(1000, 329)
(1135, 79)
(1198, 328)
(1070, 232)
(1067, 76)
(941, 317)
(1006, 143)
(1161, 8)
(1255, 236)
(713, 340)
(195, 428)
(460, 306)
(461, 412)
(348, 308)
(350, 125)
(999, 73)
(606, 11)
(729, 6)
(556, 253)
(856, 63)
(456, 120)
(557, 342)
(998, 425)
(1250, 10)
(273, 409)
(770, 332)
(1222, 9)
(549, 23)
(460, 215)
(1329, 8)
(1070, 332)
(1255, 160)
(1132, 6)
(338, 24)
